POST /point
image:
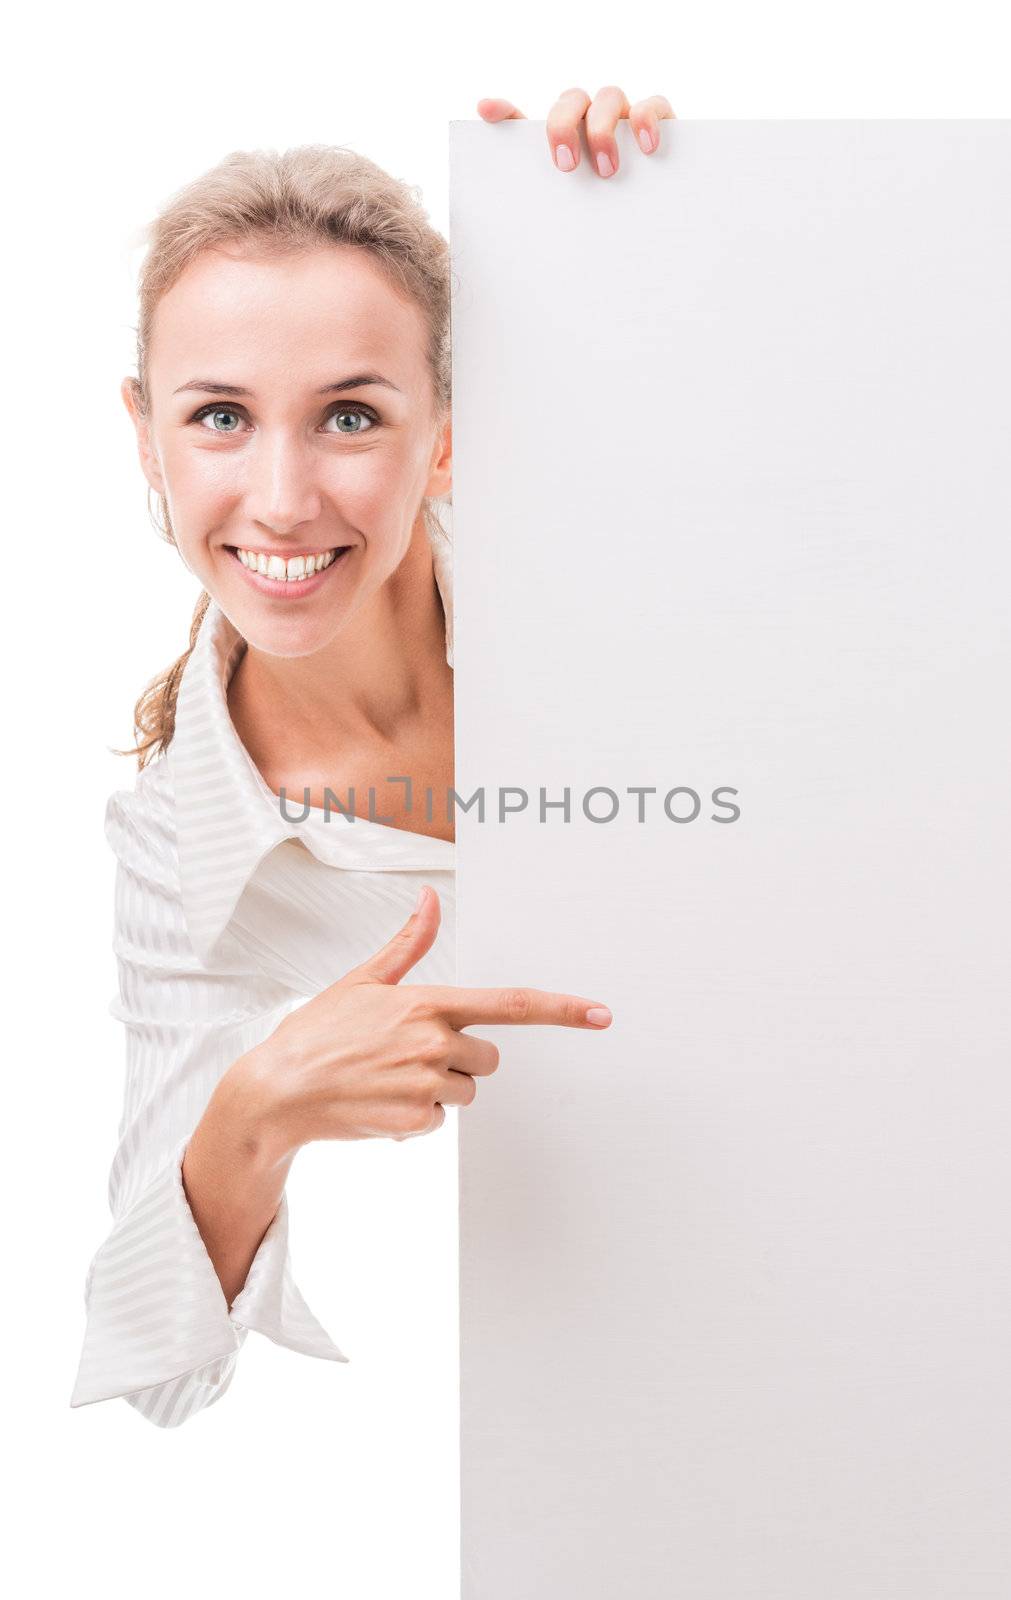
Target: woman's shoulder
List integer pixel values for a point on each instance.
(140, 823)
(155, 900)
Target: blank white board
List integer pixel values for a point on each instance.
(732, 509)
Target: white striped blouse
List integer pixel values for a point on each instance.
(228, 913)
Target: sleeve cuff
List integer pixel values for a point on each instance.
(155, 1307)
(270, 1303)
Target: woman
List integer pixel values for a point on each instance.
(292, 411)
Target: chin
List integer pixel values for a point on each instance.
(287, 610)
(289, 637)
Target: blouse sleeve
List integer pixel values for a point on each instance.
(159, 1332)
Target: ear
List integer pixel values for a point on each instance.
(148, 457)
(440, 478)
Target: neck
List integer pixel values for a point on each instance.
(385, 673)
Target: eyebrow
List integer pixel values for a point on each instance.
(360, 381)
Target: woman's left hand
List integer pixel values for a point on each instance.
(601, 116)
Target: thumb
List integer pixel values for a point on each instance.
(407, 946)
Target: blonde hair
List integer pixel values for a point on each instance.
(302, 198)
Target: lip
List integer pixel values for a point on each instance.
(280, 588)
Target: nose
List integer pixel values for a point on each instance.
(281, 489)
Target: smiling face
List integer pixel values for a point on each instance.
(291, 417)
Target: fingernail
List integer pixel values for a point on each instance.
(604, 165)
(421, 898)
(599, 1015)
(646, 140)
(564, 157)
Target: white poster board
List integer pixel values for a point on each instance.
(733, 511)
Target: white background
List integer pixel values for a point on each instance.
(106, 112)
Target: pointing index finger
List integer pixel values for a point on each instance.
(461, 1007)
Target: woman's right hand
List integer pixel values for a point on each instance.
(366, 1059)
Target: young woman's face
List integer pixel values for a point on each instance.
(291, 415)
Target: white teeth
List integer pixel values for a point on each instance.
(295, 570)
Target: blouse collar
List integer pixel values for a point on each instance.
(228, 819)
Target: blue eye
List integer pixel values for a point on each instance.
(348, 415)
(218, 414)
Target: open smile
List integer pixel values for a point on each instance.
(289, 575)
